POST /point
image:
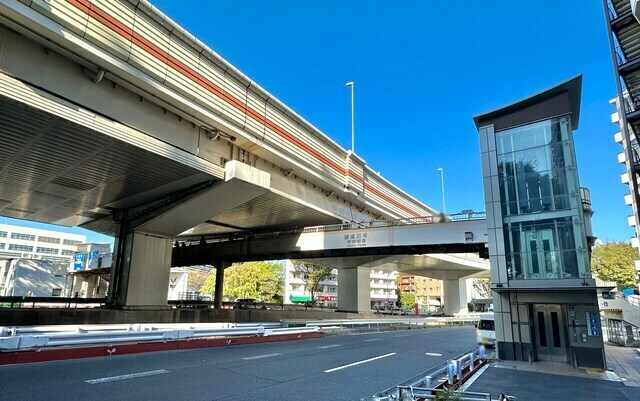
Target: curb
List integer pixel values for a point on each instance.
(44, 355)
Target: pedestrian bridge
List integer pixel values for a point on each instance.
(465, 233)
(449, 248)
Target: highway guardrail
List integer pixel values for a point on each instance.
(33, 337)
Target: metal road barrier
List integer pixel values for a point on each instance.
(382, 323)
(66, 302)
(21, 338)
(23, 301)
(428, 385)
(449, 218)
(89, 328)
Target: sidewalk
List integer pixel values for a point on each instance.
(625, 362)
(559, 381)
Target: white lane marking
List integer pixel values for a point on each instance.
(330, 346)
(359, 362)
(372, 339)
(126, 377)
(249, 358)
(432, 354)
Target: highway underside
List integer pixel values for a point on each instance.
(347, 367)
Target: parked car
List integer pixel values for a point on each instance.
(486, 330)
(245, 303)
(396, 310)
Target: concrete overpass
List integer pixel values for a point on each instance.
(421, 246)
(116, 119)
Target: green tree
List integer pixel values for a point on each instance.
(263, 281)
(407, 300)
(614, 261)
(482, 287)
(196, 279)
(312, 275)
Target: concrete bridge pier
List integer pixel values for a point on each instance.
(219, 289)
(144, 247)
(144, 263)
(354, 291)
(457, 295)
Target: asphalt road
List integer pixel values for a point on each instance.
(347, 367)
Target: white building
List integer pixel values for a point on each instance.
(33, 243)
(631, 167)
(31, 277)
(383, 287)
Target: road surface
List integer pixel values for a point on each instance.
(347, 367)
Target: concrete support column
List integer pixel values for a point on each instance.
(219, 289)
(457, 294)
(140, 277)
(354, 290)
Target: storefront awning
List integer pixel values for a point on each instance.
(299, 298)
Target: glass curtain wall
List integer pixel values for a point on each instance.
(538, 175)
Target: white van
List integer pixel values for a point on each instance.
(486, 330)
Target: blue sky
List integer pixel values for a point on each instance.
(422, 69)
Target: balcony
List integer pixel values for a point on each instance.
(622, 158)
(628, 199)
(380, 274)
(631, 220)
(618, 136)
(624, 177)
(385, 285)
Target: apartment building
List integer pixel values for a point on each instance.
(428, 291)
(383, 287)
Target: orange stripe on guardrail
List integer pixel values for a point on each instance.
(116, 26)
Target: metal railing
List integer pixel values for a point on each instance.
(620, 57)
(63, 302)
(23, 340)
(399, 222)
(382, 323)
(427, 385)
(613, 14)
(23, 301)
(93, 328)
(623, 333)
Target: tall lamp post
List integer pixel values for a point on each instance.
(353, 134)
(444, 207)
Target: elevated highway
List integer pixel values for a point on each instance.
(116, 119)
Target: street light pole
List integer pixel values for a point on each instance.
(444, 207)
(353, 132)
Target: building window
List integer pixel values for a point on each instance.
(3, 234)
(24, 237)
(48, 240)
(18, 247)
(50, 251)
(70, 242)
(533, 167)
(537, 174)
(68, 252)
(2, 245)
(56, 292)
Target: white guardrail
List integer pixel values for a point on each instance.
(29, 337)
(383, 322)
